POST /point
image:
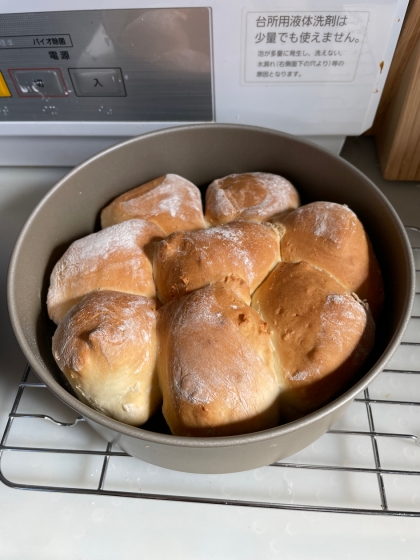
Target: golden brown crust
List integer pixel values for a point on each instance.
(117, 258)
(330, 237)
(321, 334)
(225, 368)
(215, 365)
(186, 261)
(106, 347)
(256, 197)
(170, 201)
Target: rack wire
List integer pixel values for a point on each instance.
(409, 502)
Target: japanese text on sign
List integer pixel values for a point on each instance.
(306, 47)
(318, 20)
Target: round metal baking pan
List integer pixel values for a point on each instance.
(202, 153)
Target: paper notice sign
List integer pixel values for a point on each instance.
(290, 47)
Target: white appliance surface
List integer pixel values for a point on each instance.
(51, 525)
(270, 67)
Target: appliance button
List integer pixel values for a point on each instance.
(97, 82)
(37, 82)
(4, 88)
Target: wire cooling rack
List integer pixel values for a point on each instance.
(368, 464)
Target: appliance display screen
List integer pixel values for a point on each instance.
(142, 65)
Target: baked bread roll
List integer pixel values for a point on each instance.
(170, 201)
(215, 365)
(321, 334)
(225, 368)
(329, 236)
(106, 347)
(257, 197)
(186, 261)
(117, 258)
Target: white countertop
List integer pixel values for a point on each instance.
(40, 525)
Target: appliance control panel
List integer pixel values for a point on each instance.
(144, 65)
(76, 81)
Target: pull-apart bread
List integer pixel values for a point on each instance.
(106, 346)
(186, 261)
(258, 197)
(171, 202)
(220, 366)
(321, 334)
(215, 365)
(330, 237)
(117, 258)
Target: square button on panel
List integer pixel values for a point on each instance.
(97, 82)
(38, 82)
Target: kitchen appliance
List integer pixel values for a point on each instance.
(83, 78)
(343, 469)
